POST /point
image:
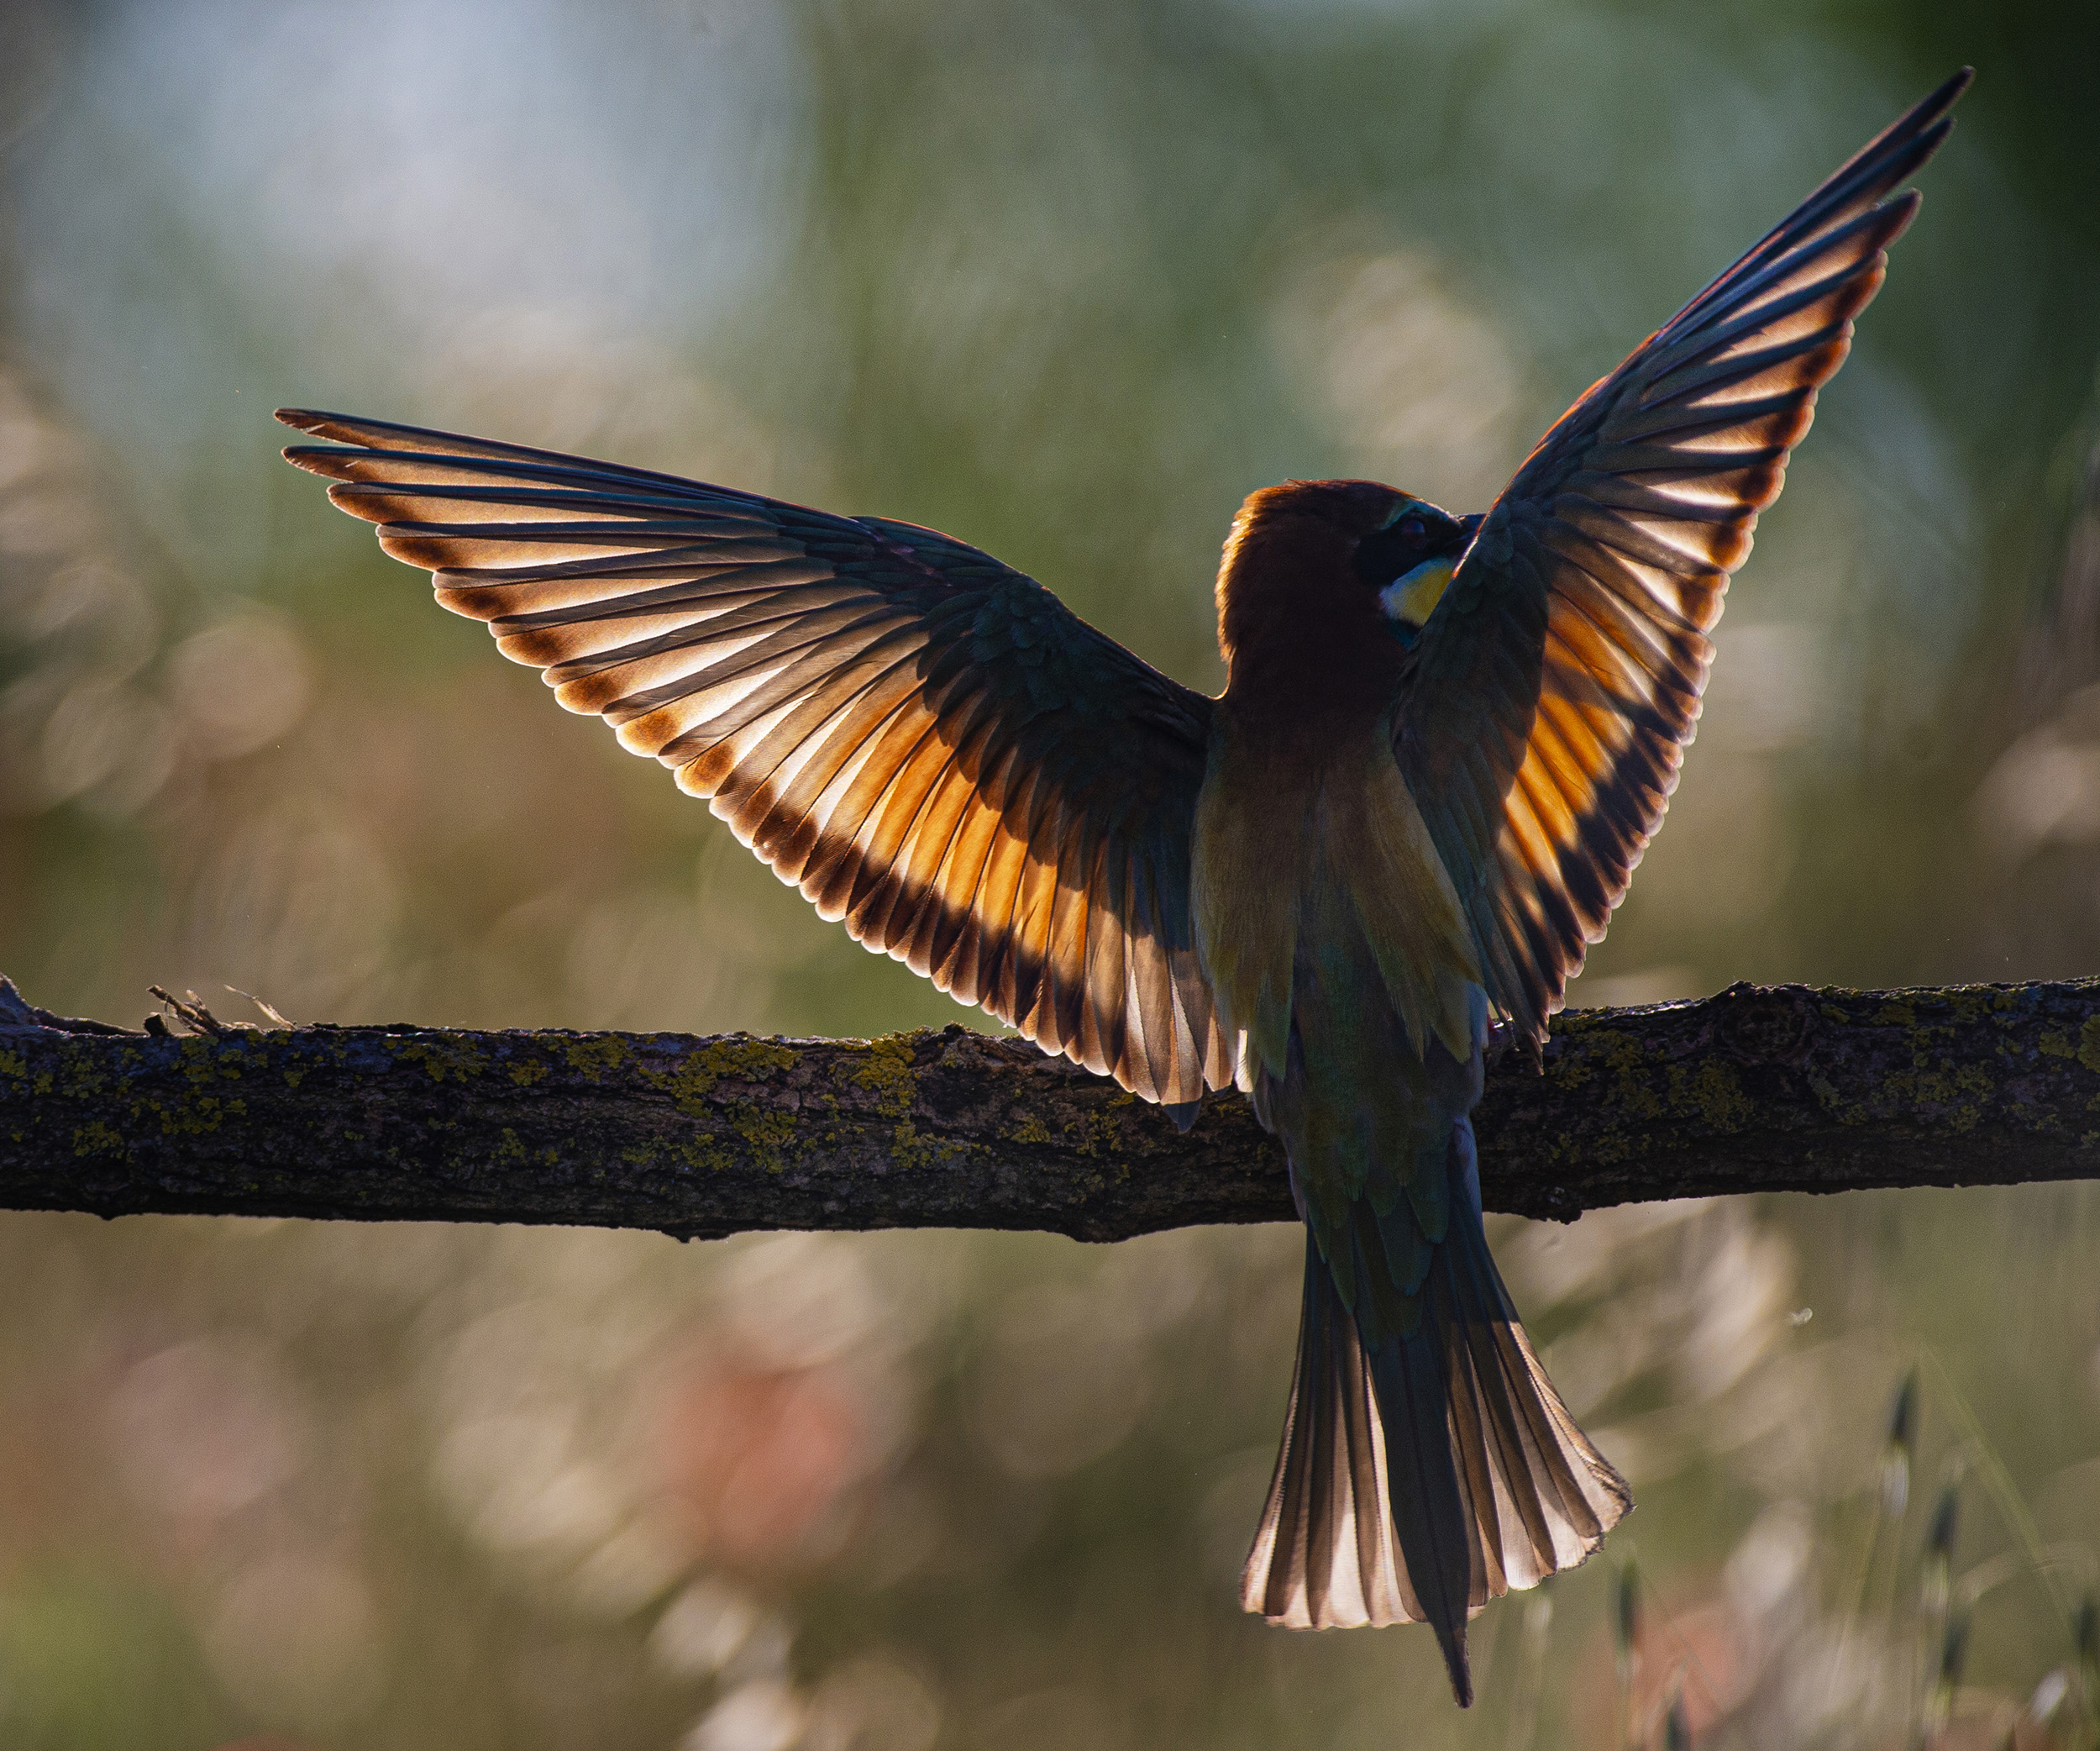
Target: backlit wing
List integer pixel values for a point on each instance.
(928, 744)
(1559, 678)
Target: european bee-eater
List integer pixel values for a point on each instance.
(1442, 746)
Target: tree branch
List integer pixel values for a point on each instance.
(1753, 1089)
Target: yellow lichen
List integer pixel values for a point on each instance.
(887, 1072)
(769, 1135)
(708, 1157)
(908, 1149)
(453, 1056)
(1715, 1094)
(1630, 1087)
(1099, 1134)
(1827, 1092)
(2089, 1044)
(97, 1139)
(193, 1118)
(740, 1057)
(81, 1081)
(592, 1058)
(1961, 1092)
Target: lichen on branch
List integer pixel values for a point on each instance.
(1780, 1089)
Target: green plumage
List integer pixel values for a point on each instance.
(1366, 1128)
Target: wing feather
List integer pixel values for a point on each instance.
(925, 742)
(1558, 682)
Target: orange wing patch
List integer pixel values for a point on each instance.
(1558, 682)
(925, 743)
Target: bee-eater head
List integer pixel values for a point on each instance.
(1408, 561)
(1332, 578)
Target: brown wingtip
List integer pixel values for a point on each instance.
(301, 419)
(315, 459)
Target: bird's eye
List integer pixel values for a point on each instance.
(1414, 531)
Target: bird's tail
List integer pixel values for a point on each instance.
(1422, 1479)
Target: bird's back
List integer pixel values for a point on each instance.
(1314, 881)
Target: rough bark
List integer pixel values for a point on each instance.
(1753, 1089)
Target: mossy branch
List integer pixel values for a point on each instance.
(1754, 1089)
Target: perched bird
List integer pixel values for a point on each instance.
(1442, 746)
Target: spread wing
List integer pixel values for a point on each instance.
(928, 744)
(1559, 678)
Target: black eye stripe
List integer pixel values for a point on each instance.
(1383, 554)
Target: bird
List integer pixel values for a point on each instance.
(1341, 885)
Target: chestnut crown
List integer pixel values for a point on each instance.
(1312, 565)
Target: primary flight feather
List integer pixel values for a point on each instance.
(1443, 744)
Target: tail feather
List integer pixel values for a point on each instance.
(1549, 1496)
(1421, 1480)
(1320, 1555)
(1433, 1526)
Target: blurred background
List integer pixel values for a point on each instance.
(1067, 279)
